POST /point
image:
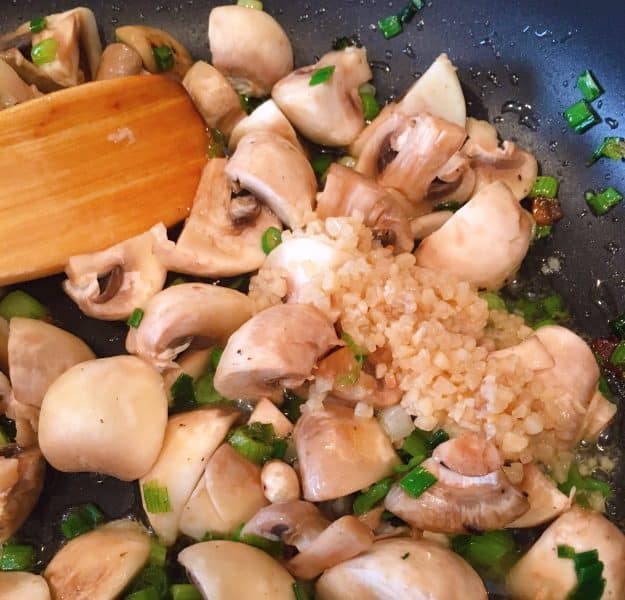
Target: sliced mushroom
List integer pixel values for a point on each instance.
(191, 438)
(80, 428)
(542, 574)
(484, 242)
(100, 564)
(340, 453)
(21, 479)
(273, 170)
(422, 227)
(267, 412)
(214, 97)
(249, 47)
(227, 570)
(111, 283)
(455, 182)
(145, 39)
(598, 416)
(13, 90)
(476, 497)
(402, 568)
(119, 60)
(330, 113)
(179, 313)
(348, 193)
(218, 241)
(22, 585)
(276, 349)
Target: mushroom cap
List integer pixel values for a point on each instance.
(598, 416)
(213, 96)
(542, 574)
(425, 225)
(277, 348)
(19, 584)
(132, 274)
(104, 416)
(224, 570)
(331, 113)
(178, 313)
(191, 438)
(402, 568)
(212, 244)
(484, 242)
(254, 58)
(340, 453)
(13, 90)
(119, 60)
(100, 564)
(277, 173)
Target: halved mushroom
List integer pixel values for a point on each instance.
(455, 182)
(225, 570)
(100, 564)
(402, 568)
(484, 242)
(267, 117)
(472, 493)
(214, 97)
(144, 40)
(80, 428)
(276, 349)
(330, 113)
(599, 414)
(347, 193)
(267, 412)
(542, 574)
(111, 283)
(179, 313)
(221, 237)
(191, 438)
(28, 72)
(19, 584)
(21, 479)
(13, 90)
(119, 60)
(249, 47)
(340, 453)
(275, 172)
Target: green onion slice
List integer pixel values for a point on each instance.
(588, 570)
(603, 202)
(581, 116)
(390, 26)
(44, 52)
(158, 553)
(17, 557)
(38, 24)
(370, 106)
(321, 163)
(303, 591)
(164, 58)
(322, 75)
(611, 147)
(254, 441)
(205, 392)
(493, 551)
(79, 520)
(618, 326)
(271, 547)
(21, 304)
(134, 320)
(186, 591)
(271, 239)
(494, 301)
(148, 593)
(417, 482)
(156, 498)
(368, 498)
(183, 392)
(292, 406)
(540, 232)
(583, 484)
(545, 186)
(588, 86)
(618, 356)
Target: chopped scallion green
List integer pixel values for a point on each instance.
(292, 406)
(581, 116)
(493, 551)
(370, 106)
(44, 52)
(583, 484)
(250, 104)
(256, 4)
(618, 356)
(417, 481)
(272, 238)
(156, 498)
(148, 593)
(4, 438)
(611, 147)
(254, 441)
(271, 547)
(603, 202)
(134, 320)
(216, 354)
(186, 591)
(158, 553)
(358, 351)
(545, 186)
(390, 26)
(322, 75)
(416, 446)
(205, 392)
(565, 551)
(589, 571)
(588, 86)
(17, 557)
(604, 387)
(541, 232)
(494, 300)
(79, 520)
(21, 304)
(38, 24)
(303, 591)
(183, 392)
(368, 498)
(164, 58)
(618, 326)
(321, 163)
(151, 577)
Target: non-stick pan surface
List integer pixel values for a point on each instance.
(521, 56)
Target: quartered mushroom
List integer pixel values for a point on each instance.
(22, 472)
(484, 242)
(541, 573)
(178, 314)
(472, 493)
(223, 570)
(275, 349)
(119, 60)
(222, 236)
(249, 47)
(402, 568)
(331, 112)
(348, 193)
(277, 173)
(111, 283)
(144, 40)
(104, 416)
(100, 564)
(340, 453)
(13, 89)
(19, 584)
(191, 438)
(214, 97)
(598, 416)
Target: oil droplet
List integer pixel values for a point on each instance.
(525, 112)
(613, 248)
(380, 65)
(498, 119)
(565, 83)
(603, 299)
(388, 54)
(553, 145)
(514, 79)
(612, 123)
(600, 104)
(409, 52)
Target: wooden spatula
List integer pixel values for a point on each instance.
(84, 168)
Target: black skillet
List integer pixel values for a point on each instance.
(524, 55)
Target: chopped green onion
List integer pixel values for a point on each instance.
(390, 26)
(494, 300)
(583, 484)
(164, 58)
(148, 593)
(358, 351)
(272, 238)
(183, 392)
(603, 202)
(205, 392)
(538, 311)
(292, 406)
(303, 591)
(419, 4)
(254, 441)
(416, 446)
(216, 147)
(545, 186)
(566, 551)
(186, 591)
(611, 147)
(591, 590)
(438, 437)
(368, 498)
(211, 536)
(322, 75)
(417, 481)
(134, 320)
(216, 354)
(604, 387)
(271, 547)
(79, 520)
(321, 163)
(618, 356)
(451, 205)
(156, 498)
(588, 569)
(250, 104)
(38, 24)
(151, 577)
(370, 106)
(581, 116)
(618, 326)
(17, 557)
(20, 304)
(236, 534)
(158, 553)
(494, 551)
(4, 438)
(256, 4)
(541, 232)
(588, 86)
(44, 52)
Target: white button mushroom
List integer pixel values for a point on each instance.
(598, 416)
(267, 412)
(119, 60)
(23, 586)
(104, 416)
(280, 482)
(13, 90)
